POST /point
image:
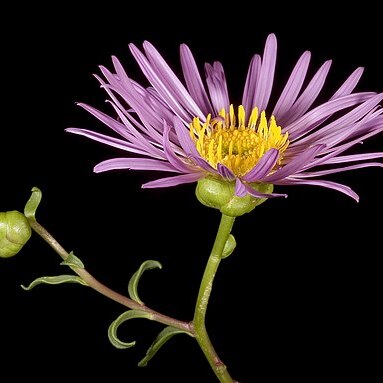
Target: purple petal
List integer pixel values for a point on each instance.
(263, 167)
(130, 89)
(327, 184)
(110, 90)
(251, 84)
(349, 84)
(331, 157)
(110, 77)
(331, 140)
(126, 131)
(295, 164)
(334, 138)
(174, 181)
(141, 140)
(162, 88)
(373, 123)
(240, 188)
(292, 88)
(320, 173)
(115, 142)
(347, 87)
(354, 157)
(266, 73)
(330, 133)
(308, 96)
(225, 172)
(135, 164)
(216, 82)
(193, 80)
(115, 125)
(203, 164)
(171, 156)
(167, 76)
(257, 194)
(184, 138)
(152, 101)
(121, 73)
(154, 131)
(312, 119)
(141, 101)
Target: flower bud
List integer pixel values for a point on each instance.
(15, 232)
(219, 194)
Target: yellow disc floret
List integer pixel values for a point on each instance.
(231, 141)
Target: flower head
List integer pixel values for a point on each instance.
(193, 129)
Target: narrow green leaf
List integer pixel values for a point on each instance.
(112, 330)
(229, 246)
(73, 261)
(33, 203)
(166, 334)
(55, 280)
(133, 283)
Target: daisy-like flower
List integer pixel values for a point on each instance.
(192, 128)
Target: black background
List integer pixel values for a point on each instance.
(298, 299)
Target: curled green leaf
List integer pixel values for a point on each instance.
(55, 280)
(133, 283)
(73, 261)
(112, 330)
(229, 246)
(166, 334)
(33, 203)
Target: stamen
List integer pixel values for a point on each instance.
(241, 116)
(219, 149)
(238, 144)
(211, 154)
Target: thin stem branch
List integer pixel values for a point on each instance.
(104, 290)
(197, 327)
(201, 334)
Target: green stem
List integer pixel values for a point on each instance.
(104, 290)
(201, 334)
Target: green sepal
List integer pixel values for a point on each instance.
(229, 246)
(220, 194)
(133, 283)
(55, 280)
(112, 330)
(73, 261)
(166, 334)
(33, 203)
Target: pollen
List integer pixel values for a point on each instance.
(236, 142)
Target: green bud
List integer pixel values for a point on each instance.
(219, 194)
(15, 232)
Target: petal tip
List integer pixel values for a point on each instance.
(272, 36)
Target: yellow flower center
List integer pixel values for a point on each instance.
(228, 140)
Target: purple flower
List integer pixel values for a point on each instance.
(191, 128)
